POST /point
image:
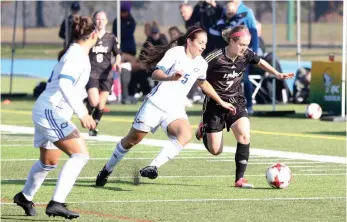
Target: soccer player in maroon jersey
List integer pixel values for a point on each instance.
(225, 71)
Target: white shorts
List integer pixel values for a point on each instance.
(150, 117)
(50, 127)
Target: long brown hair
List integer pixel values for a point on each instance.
(153, 54)
(82, 27)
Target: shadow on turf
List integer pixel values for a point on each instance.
(338, 133)
(133, 113)
(23, 217)
(17, 134)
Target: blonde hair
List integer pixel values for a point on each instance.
(226, 33)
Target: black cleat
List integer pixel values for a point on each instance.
(59, 209)
(102, 177)
(28, 206)
(149, 171)
(93, 132)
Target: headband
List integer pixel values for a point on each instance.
(196, 30)
(239, 34)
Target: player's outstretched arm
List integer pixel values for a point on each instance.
(268, 68)
(160, 75)
(209, 90)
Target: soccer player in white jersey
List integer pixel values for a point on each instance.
(178, 66)
(54, 131)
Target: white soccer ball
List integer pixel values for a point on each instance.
(278, 176)
(313, 111)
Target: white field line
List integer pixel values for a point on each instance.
(320, 170)
(182, 176)
(204, 200)
(195, 146)
(221, 159)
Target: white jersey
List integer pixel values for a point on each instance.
(75, 67)
(170, 96)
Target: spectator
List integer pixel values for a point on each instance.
(246, 18)
(75, 9)
(174, 33)
(147, 29)
(128, 26)
(186, 13)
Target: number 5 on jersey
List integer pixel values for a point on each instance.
(185, 79)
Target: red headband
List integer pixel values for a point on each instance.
(239, 34)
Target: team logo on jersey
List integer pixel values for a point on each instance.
(232, 75)
(64, 125)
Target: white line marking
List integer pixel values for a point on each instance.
(202, 200)
(320, 170)
(188, 176)
(195, 146)
(220, 159)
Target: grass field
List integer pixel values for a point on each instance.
(195, 186)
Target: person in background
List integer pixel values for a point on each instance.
(101, 75)
(67, 34)
(174, 33)
(128, 26)
(250, 22)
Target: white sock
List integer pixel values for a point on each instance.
(117, 155)
(68, 175)
(172, 149)
(37, 175)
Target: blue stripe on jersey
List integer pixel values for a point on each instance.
(51, 125)
(154, 90)
(162, 68)
(55, 123)
(62, 76)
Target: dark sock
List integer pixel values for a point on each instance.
(241, 159)
(97, 115)
(90, 108)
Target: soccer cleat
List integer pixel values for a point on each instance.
(93, 132)
(59, 209)
(28, 206)
(199, 131)
(149, 171)
(102, 177)
(243, 183)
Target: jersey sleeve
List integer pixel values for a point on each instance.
(252, 57)
(70, 70)
(166, 63)
(115, 46)
(203, 71)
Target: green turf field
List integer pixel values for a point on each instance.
(195, 186)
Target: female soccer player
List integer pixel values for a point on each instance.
(54, 131)
(225, 72)
(178, 66)
(101, 77)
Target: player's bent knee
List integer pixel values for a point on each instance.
(245, 138)
(215, 152)
(82, 156)
(48, 167)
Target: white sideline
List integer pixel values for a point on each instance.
(195, 146)
(202, 200)
(183, 176)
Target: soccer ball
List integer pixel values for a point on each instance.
(313, 111)
(278, 176)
